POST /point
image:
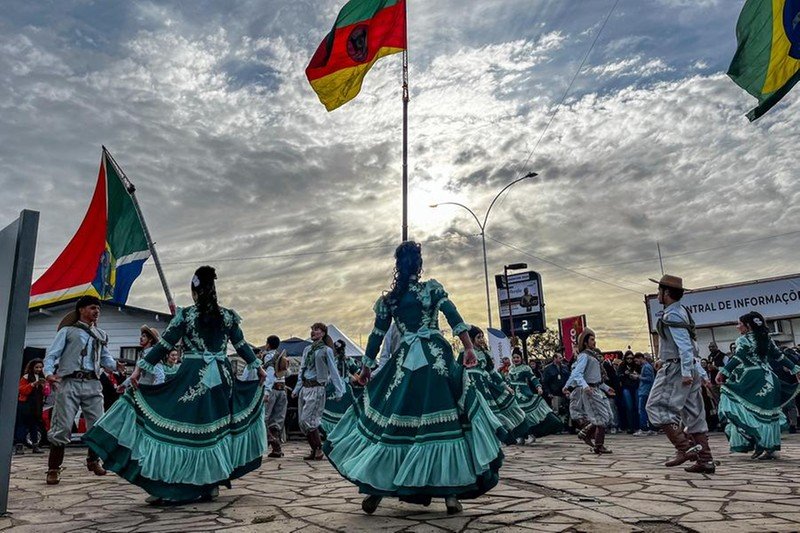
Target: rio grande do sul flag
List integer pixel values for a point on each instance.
(107, 252)
(364, 31)
(767, 60)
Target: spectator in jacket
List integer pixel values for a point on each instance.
(33, 389)
(647, 375)
(554, 379)
(611, 378)
(716, 356)
(628, 373)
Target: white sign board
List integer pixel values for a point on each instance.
(499, 345)
(524, 292)
(779, 298)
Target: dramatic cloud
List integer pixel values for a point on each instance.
(237, 164)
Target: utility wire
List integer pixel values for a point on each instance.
(691, 252)
(569, 87)
(562, 267)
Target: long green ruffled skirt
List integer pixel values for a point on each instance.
(179, 440)
(419, 434)
(750, 429)
(336, 408)
(541, 419)
(503, 404)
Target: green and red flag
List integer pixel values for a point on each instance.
(365, 31)
(767, 60)
(107, 252)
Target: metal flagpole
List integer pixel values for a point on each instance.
(132, 191)
(405, 131)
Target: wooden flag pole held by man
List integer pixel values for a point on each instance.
(364, 31)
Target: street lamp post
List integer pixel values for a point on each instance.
(482, 226)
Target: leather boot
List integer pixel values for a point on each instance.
(599, 440)
(685, 450)
(318, 455)
(315, 443)
(275, 442)
(93, 464)
(54, 461)
(705, 462)
(585, 434)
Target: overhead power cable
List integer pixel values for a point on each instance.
(691, 252)
(562, 267)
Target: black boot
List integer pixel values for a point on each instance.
(453, 505)
(370, 504)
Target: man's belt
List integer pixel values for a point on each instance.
(595, 384)
(278, 386)
(82, 375)
(675, 360)
(312, 383)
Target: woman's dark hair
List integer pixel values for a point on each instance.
(339, 347)
(407, 268)
(755, 321)
(29, 368)
(474, 331)
(204, 287)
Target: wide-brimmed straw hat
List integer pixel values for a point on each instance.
(150, 331)
(673, 282)
(70, 319)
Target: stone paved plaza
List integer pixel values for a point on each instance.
(554, 485)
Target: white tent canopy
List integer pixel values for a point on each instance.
(351, 348)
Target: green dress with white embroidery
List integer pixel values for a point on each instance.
(541, 418)
(181, 439)
(420, 429)
(500, 399)
(752, 398)
(335, 407)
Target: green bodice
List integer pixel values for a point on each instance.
(751, 377)
(417, 310)
(522, 378)
(186, 327)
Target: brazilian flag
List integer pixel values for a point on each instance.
(767, 60)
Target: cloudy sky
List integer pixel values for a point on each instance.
(237, 164)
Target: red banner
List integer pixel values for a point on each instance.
(568, 330)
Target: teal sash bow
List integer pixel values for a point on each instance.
(211, 377)
(415, 358)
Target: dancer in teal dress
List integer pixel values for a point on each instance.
(753, 395)
(540, 418)
(421, 429)
(500, 397)
(538, 414)
(335, 407)
(181, 439)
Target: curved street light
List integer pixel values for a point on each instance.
(482, 226)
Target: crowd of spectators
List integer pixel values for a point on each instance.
(631, 375)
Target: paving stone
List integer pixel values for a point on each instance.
(554, 485)
(701, 516)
